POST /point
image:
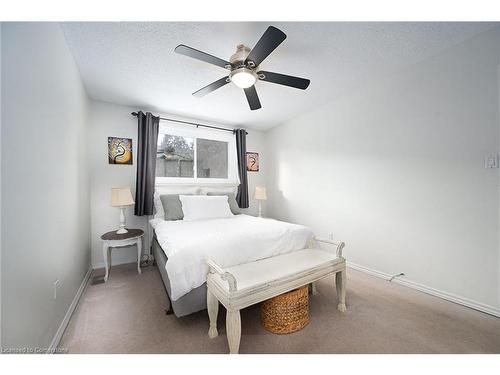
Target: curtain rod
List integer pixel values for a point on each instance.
(192, 124)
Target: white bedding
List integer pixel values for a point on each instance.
(230, 241)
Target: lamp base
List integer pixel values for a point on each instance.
(121, 228)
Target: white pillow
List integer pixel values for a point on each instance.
(202, 207)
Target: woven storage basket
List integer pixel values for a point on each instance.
(286, 313)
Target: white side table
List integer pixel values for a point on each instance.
(112, 239)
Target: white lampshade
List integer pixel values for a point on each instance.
(260, 193)
(121, 197)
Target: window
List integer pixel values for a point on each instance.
(211, 158)
(186, 155)
(174, 156)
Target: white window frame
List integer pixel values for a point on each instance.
(232, 179)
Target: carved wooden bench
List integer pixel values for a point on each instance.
(246, 284)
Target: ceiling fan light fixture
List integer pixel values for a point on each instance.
(243, 77)
(244, 67)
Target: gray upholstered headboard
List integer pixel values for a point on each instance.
(188, 189)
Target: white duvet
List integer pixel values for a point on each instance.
(230, 241)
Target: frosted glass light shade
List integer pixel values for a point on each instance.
(121, 197)
(260, 193)
(243, 78)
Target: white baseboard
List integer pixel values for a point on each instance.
(434, 292)
(71, 309)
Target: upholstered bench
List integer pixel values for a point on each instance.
(246, 284)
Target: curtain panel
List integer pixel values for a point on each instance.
(147, 139)
(241, 151)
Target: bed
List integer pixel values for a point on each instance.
(180, 249)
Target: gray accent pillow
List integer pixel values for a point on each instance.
(172, 206)
(231, 198)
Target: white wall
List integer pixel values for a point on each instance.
(110, 120)
(106, 120)
(1, 119)
(45, 190)
(498, 80)
(396, 171)
(255, 143)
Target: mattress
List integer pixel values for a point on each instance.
(195, 300)
(230, 241)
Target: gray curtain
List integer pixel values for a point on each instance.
(241, 150)
(146, 163)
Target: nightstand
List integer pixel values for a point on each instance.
(112, 239)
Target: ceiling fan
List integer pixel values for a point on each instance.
(244, 67)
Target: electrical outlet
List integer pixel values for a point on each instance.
(330, 236)
(491, 161)
(56, 283)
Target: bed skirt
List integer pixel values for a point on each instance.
(195, 300)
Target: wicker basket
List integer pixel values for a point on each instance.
(286, 313)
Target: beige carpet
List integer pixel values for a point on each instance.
(126, 315)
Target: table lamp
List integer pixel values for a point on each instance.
(260, 195)
(121, 197)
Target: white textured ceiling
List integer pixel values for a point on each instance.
(134, 63)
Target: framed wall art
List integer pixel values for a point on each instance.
(252, 162)
(119, 150)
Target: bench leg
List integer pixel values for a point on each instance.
(314, 291)
(233, 328)
(340, 280)
(213, 310)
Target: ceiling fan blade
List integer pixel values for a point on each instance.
(253, 98)
(267, 43)
(211, 87)
(203, 56)
(282, 79)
